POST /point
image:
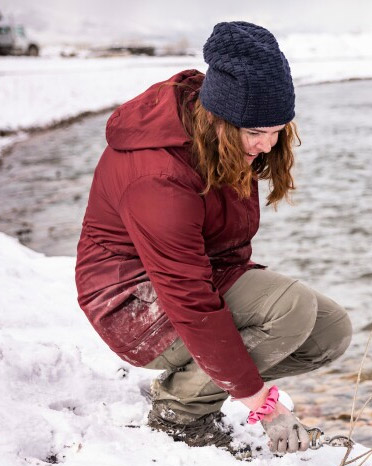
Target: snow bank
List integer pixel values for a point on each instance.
(65, 397)
(39, 92)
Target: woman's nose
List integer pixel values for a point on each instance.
(265, 144)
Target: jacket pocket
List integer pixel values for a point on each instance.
(136, 320)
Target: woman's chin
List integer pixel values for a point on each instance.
(250, 158)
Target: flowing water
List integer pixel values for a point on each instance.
(324, 239)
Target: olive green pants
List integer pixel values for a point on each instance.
(287, 328)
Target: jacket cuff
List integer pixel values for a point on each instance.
(247, 398)
(249, 390)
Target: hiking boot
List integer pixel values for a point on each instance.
(205, 431)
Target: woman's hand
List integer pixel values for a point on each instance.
(286, 433)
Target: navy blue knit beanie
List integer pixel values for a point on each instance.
(248, 82)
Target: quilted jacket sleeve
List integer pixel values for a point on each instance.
(164, 218)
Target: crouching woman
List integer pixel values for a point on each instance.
(164, 270)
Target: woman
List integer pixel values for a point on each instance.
(164, 270)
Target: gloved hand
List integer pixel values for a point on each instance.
(286, 433)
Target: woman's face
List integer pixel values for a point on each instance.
(257, 140)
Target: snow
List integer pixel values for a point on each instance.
(324, 46)
(39, 92)
(65, 397)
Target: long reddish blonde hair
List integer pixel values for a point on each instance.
(221, 159)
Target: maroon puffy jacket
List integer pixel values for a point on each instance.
(155, 257)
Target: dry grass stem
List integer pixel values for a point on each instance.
(352, 421)
(361, 411)
(369, 453)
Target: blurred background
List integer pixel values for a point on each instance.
(66, 65)
(167, 24)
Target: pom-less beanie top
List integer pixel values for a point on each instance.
(248, 82)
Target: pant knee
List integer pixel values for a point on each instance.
(300, 308)
(341, 335)
(329, 340)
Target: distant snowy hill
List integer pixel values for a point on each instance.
(104, 22)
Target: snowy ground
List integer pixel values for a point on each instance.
(66, 398)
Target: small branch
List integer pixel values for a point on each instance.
(361, 411)
(369, 453)
(348, 451)
(352, 422)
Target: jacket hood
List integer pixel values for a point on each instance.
(151, 120)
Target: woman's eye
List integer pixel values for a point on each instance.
(252, 134)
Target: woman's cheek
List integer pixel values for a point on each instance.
(246, 144)
(274, 141)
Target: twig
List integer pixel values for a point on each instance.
(352, 422)
(361, 411)
(369, 453)
(348, 451)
